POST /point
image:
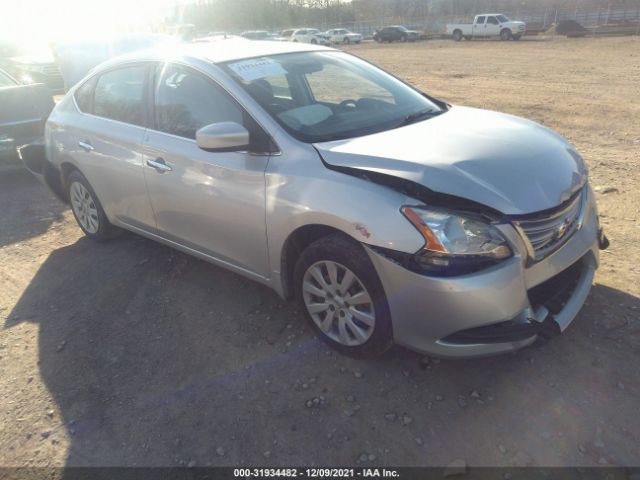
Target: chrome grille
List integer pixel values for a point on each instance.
(544, 235)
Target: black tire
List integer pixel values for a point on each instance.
(105, 230)
(457, 35)
(404, 38)
(314, 41)
(346, 40)
(505, 35)
(468, 38)
(517, 37)
(342, 249)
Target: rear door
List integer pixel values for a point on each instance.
(479, 26)
(108, 142)
(213, 203)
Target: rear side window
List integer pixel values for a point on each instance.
(186, 101)
(84, 96)
(119, 95)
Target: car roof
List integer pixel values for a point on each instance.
(217, 51)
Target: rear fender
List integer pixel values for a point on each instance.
(34, 158)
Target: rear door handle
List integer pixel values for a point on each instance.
(86, 146)
(159, 165)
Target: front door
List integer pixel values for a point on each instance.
(211, 202)
(492, 27)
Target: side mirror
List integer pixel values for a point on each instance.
(223, 137)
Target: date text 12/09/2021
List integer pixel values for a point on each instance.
(315, 472)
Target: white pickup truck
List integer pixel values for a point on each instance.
(487, 25)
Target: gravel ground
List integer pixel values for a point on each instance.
(130, 353)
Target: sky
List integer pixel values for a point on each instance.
(36, 21)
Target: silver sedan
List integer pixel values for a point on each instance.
(392, 216)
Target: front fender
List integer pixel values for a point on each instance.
(368, 212)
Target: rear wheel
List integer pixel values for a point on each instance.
(457, 35)
(505, 35)
(340, 292)
(87, 210)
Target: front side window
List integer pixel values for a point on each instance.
(186, 101)
(119, 95)
(480, 20)
(502, 18)
(322, 96)
(492, 21)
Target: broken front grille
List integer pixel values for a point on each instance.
(545, 234)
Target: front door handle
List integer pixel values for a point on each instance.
(160, 165)
(86, 146)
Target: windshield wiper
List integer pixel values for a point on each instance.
(421, 115)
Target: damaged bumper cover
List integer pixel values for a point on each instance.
(497, 310)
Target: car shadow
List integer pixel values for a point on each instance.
(22, 219)
(155, 358)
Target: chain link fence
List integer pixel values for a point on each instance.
(610, 20)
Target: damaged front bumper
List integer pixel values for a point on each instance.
(497, 310)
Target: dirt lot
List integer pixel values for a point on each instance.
(129, 353)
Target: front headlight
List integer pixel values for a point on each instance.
(454, 243)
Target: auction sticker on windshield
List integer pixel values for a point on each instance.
(256, 68)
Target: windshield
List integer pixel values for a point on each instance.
(322, 96)
(502, 18)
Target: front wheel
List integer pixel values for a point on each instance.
(346, 41)
(517, 37)
(314, 41)
(340, 292)
(505, 35)
(87, 210)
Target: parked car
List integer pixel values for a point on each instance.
(488, 25)
(31, 65)
(390, 215)
(257, 35)
(23, 114)
(341, 35)
(76, 58)
(396, 33)
(286, 34)
(216, 36)
(309, 35)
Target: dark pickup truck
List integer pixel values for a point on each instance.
(23, 112)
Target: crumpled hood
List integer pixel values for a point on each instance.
(508, 163)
